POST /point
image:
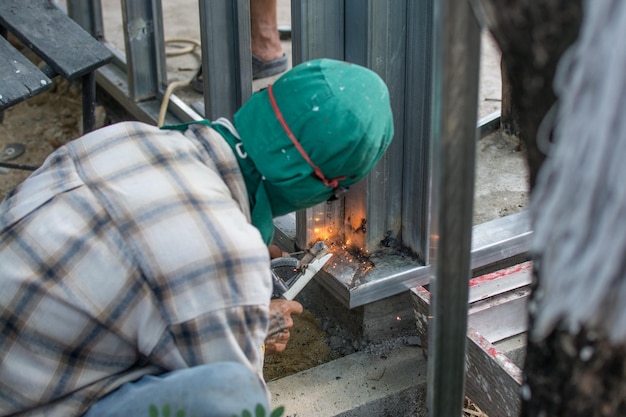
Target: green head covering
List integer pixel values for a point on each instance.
(338, 112)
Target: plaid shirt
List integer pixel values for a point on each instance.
(130, 252)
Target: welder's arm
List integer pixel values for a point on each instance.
(280, 323)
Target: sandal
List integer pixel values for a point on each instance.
(260, 69)
(196, 81)
(263, 69)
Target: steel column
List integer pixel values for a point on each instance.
(226, 56)
(88, 14)
(376, 33)
(317, 29)
(455, 102)
(393, 39)
(145, 48)
(417, 128)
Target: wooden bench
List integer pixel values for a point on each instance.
(65, 48)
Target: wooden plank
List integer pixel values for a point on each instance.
(19, 78)
(58, 40)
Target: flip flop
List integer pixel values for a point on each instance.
(263, 69)
(196, 82)
(260, 69)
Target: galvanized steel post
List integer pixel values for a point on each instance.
(226, 56)
(455, 101)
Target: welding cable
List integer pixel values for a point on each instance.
(175, 84)
(166, 98)
(193, 45)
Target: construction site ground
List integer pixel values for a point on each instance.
(358, 380)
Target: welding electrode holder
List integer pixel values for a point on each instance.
(284, 272)
(287, 271)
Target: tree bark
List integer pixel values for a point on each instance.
(532, 36)
(574, 375)
(576, 355)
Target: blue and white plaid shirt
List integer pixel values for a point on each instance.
(130, 252)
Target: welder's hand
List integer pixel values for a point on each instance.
(276, 252)
(280, 323)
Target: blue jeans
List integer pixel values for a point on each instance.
(222, 389)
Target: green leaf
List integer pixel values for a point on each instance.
(246, 413)
(278, 412)
(153, 410)
(166, 410)
(180, 413)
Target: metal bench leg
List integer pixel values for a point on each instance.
(4, 33)
(89, 101)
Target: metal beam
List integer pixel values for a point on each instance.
(145, 48)
(88, 14)
(317, 30)
(455, 100)
(226, 56)
(376, 37)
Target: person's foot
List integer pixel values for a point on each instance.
(260, 69)
(268, 57)
(263, 69)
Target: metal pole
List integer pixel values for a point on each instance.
(145, 48)
(455, 100)
(317, 29)
(226, 56)
(89, 102)
(88, 14)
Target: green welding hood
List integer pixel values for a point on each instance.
(338, 113)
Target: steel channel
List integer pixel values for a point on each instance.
(500, 240)
(87, 14)
(417, 129)
(456, 76)
(113, 79)
(145, 48)
(382, 48)
(226, 56)
(317, 29)
(497, 242)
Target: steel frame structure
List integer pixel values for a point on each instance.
(419, 197)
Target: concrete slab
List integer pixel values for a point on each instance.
(371, 383)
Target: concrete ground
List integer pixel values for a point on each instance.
(387, 382)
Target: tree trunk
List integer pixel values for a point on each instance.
(575, 375)
(576, 356)
(576, 363)
(532, 36)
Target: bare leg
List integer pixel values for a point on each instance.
(265, 41)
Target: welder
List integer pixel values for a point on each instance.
(135, 273)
